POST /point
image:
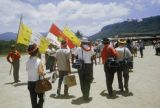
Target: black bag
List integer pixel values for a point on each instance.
(112, 63)
(128, 62)
(78, 64)
(43, 85)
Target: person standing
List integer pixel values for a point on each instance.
(50, 59)
(141, 47)
(135, 47)
(85, 53)
(35, 69)
(122, 53)
(13, 58)
(100, 45)
(107, 52)
(63, 56)
(97, 51)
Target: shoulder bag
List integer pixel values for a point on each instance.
(79, 63)
(112, 62)
(43, 85)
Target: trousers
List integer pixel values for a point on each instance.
(50, 63)
(125, 71)
(109, 74)
(61, 76)
(34, 95)
(16, 66)
(86, 77)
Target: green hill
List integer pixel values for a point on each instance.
(146, 25)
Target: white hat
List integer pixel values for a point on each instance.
(85, 40)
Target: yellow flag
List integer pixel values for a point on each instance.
(43, 45)
(72, 36)
(24, 35)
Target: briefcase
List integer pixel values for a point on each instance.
(70, 80)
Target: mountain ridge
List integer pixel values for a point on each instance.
(146, 25)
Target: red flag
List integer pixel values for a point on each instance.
(57, 32)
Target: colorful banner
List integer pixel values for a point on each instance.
(57, 32)
(43, 45)
(53, 39)
(26, 36)
(72, 36)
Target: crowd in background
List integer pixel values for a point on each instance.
(98, 52)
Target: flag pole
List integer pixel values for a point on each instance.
(19, 27)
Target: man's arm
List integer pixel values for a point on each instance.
(113, 52)
(68, 61)
(8, 58)
(41, 69)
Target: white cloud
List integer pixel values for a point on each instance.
(157, 2)
(88, 18)
(139, 5)
(142, 5)
(99, 11)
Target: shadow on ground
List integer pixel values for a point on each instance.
(80, 101)
(125, 94)
(9, 83)
(62, 96)
(115, 93)
(20, 84)
(16, 84)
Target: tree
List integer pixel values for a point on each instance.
(79, 34)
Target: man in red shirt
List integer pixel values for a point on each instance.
(108, 51)
(13, 58)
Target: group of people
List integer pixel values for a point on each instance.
(62, 57)
(119, 53)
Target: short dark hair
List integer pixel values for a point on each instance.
(105, 41)
(32, 49)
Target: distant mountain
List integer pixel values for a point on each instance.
(146, 25)
(8, 36)
(11, 36)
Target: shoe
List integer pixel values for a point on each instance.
(87, 98)
(17, 81)
(110, 95)
(126, 90)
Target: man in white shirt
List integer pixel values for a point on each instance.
(85, 53)
(123, 52)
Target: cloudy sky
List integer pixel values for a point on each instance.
(88, 16)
